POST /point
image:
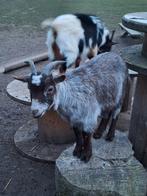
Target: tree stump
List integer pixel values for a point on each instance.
(112, 171)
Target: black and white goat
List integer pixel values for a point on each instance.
(76, 37)
(81, 95)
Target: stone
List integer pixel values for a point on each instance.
(112, 171)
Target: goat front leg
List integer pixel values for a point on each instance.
(79, 142)
(87, 147)
(102, 127)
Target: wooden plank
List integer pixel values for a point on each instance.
(131, 32)
(21, 63)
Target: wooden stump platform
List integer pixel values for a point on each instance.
(112, 171)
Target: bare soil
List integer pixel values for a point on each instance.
(25, 177)
(18, 42)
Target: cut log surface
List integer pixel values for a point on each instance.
(19, 91)
(112, 171)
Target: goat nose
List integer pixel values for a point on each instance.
(34, 112)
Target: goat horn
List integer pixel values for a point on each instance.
(22, 78)
(112, 35)
(32, 65)
(52, 66)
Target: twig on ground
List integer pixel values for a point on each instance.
(6, 186)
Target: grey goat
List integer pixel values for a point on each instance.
(95, 89)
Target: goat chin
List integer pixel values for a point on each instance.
(39, 115)
(43, 113)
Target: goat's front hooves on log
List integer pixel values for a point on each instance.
(85, 156)
(77, 152)
(97, 135)
(109, 138)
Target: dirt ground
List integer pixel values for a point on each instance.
(18, 42)
(25, 177)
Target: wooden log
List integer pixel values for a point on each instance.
(112, 170)
(138, 125)
(21, 63)
(127, 105)
(144, 48)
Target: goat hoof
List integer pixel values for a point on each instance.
(86, 157)
(97, 135)
(74, 153)
(109, 138)
(77, 153)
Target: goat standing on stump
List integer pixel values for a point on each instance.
(76, 37)
(81, 95)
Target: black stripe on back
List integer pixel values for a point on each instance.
(81, 46)
(100, 35)
(90, 28)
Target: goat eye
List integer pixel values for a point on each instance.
(50, 89)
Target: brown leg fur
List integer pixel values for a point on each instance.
(79, 142)
(87, 147)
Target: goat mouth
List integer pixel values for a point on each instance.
(39, 116)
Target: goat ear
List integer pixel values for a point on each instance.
(59, 79)
(22, 78)
(112, 35)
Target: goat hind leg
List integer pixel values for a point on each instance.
(111, 133)
(79, 142)
(87, 147)
(102, 127)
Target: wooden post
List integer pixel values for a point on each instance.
(144, 48)
(138, 125)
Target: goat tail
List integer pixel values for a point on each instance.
(47, 23)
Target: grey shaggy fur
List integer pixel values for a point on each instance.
(95, 89)
(92, 90)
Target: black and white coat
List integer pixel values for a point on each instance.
(76, 37)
